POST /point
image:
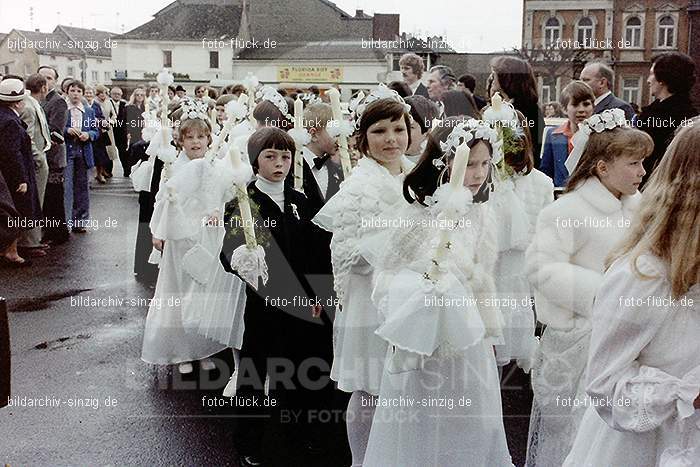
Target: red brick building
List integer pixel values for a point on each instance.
(627, 33)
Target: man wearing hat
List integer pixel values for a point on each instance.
(17, 164)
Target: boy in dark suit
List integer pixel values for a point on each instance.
(279, 314)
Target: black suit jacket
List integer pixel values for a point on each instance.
(120, 127)
(56, 110)
(421, 90)
(612, 102)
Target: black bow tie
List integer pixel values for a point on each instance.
(319, 161)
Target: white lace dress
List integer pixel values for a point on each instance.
(565, 265)
(643, 373)
(358, 354)
(197, 190)
(440, 402)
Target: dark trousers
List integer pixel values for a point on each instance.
(76, 197)
(55, 228)
(5, 367)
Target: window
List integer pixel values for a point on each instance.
(70, 71)
(213, 59)
(630, 90)
(108, 76)
(585, 32)
(95, 77)
(549, 89)
(667, 29)
(633, 32)
(167, 58)
(552, 31)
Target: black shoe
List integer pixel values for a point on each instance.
(249, 461)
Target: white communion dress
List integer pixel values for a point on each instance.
(643, 372)
(352, 213)
(197, 190)
(565, 265)
(440, 402)
(514, 201)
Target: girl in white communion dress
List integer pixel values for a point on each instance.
(440, 403)
(373, 188)
(643, 367)
(187, 202)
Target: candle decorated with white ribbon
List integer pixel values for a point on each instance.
(459, 166)
(212, 118)
(298, 160)
(243, 201)
(334, 96)
(496, 102)
(457, 174)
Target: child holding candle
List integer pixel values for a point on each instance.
(374, 187)
(434, 291)
(184, 204)
(565, 265)
(278, 312)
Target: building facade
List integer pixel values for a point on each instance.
(85, 54)
(626, 33)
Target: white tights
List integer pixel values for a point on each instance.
(359, 421)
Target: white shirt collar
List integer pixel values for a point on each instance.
(600, 98)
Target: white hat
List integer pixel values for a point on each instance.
(11, 90)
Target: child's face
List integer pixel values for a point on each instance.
(89, 94)
(323, 141)
(220, 113)
(75, 94)
(623, 176)
(152, 92)
(274, 164)
(200, 92)
(477, 167)
(195, 143)
(579, 112)
(387, 140)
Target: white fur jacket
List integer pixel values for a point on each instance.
(565, 261)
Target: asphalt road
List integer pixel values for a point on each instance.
(96, 402)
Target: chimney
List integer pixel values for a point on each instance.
(359, 13)
(385, 26)
(36, 29)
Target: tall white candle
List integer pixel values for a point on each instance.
(334, 96)
(243, 201)
(298, 161)
(459, 166)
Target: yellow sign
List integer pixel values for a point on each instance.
(310, 74)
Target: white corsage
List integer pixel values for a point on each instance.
(300, 136)
(337, 128)
(295, 211)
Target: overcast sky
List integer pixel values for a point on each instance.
(468, 25)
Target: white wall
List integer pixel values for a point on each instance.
(139, 57)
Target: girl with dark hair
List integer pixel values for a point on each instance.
(514, 79)
(423, 112)
(434, 291)
(374, 187)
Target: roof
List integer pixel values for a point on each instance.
(67, 40)
(325, 50)
(190, 20)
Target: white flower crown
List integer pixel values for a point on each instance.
(466, 131)
(598, 123)
(268, 93)
(192, 108)
(358, 105)
(309, 98)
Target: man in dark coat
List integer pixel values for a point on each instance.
(56, 110)
(412, 68)
(671, 78)
(17, 162)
